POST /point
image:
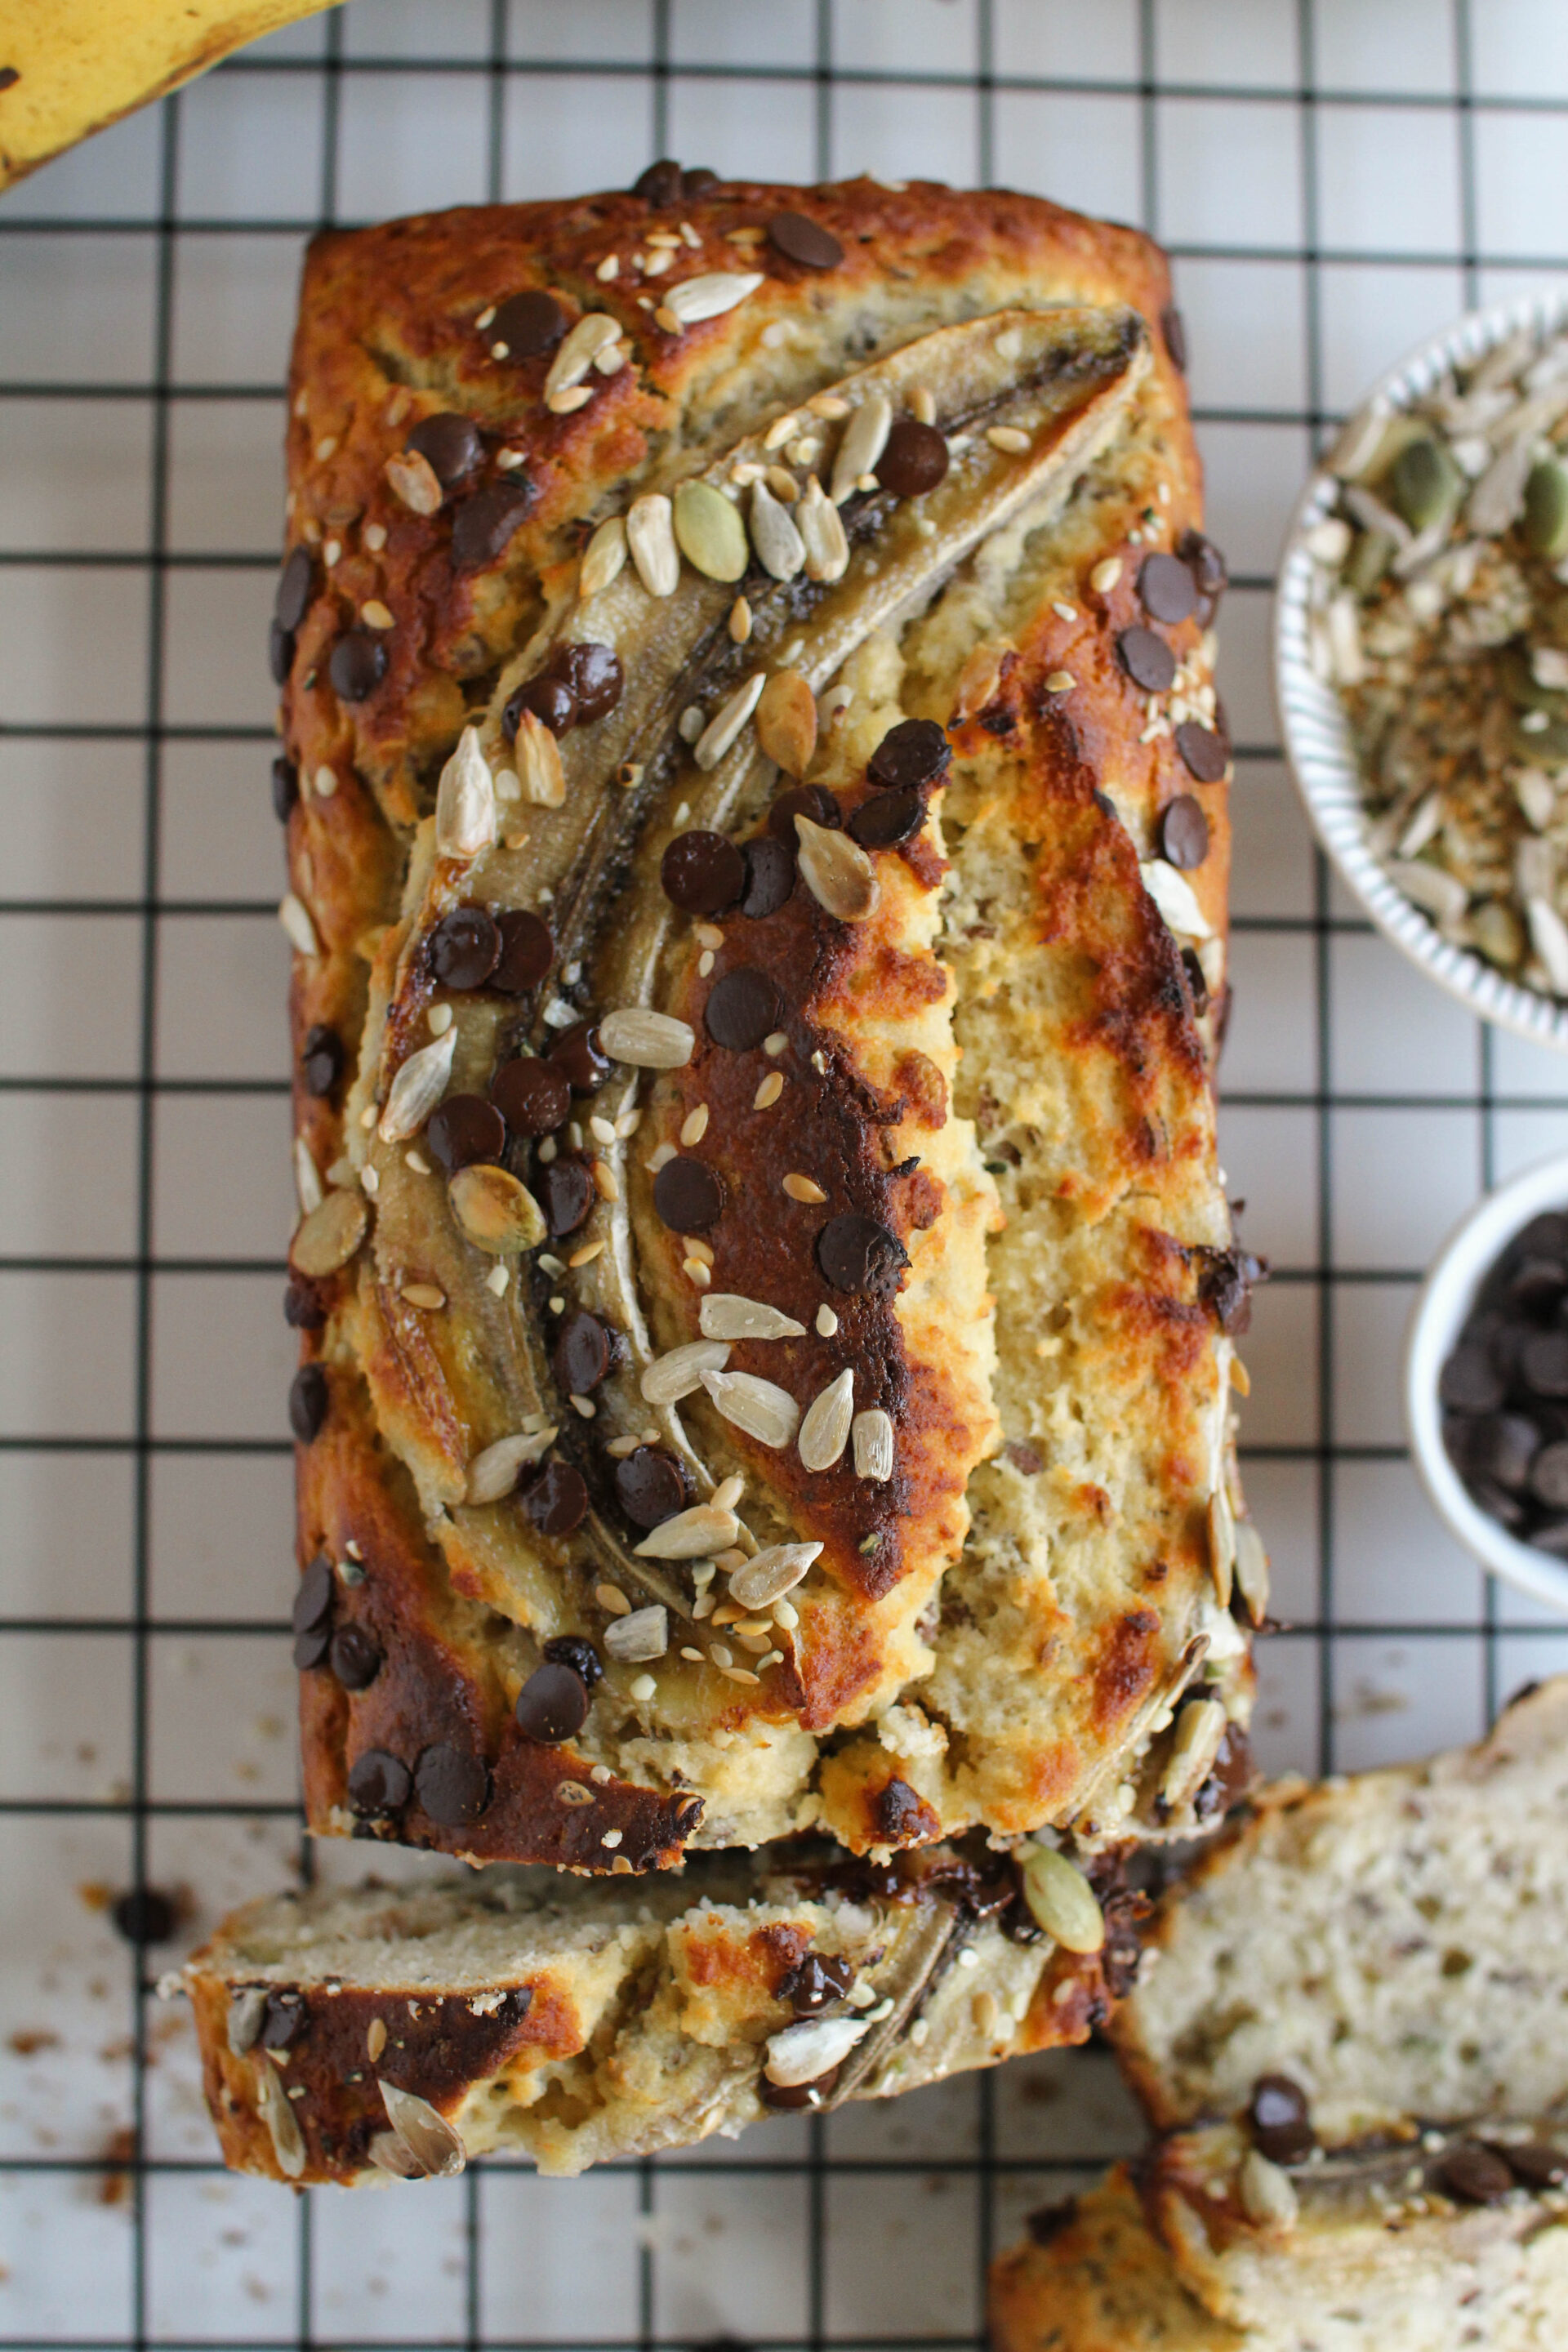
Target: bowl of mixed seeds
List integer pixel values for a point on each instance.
(1421, 660)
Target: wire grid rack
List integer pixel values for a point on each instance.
(1335, 179)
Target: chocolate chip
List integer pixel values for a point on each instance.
(1147, 659)
(687, 1195)
(556, 1501)
(815, 1983)
(308, 1402)
(529, 325)
(279, 652)
(891, 817)
(452, 1785)
(358, 665)
(744, 1008)
(856, 1252)
(915, 751)
(355, 1659)
(662, 185)
(1473, 2174)
(583, 1351)
(698, 181)
(800, 238)
(770, 878)
(485, 522)
(295, 582)
(1535, 1286)
(1543, 1365)
(322, 1063)
(302, 1309)
(565, 1192)
(1197, 981)
(1166, 589)
(572, 1649)
(901, 1812)
(594, 675)
(1203, 754)
(533, 1097)
(1547, 1475)
(1173, 334)
(144, 1915)
(527, 952)
(1184, 835)
(1207, 564)
(702, 872)
(549, 698)
(1501, 1447)
(465, 1131)
(1545, 1236)
(552, 1705)
(1047, 2223)
(788, 2096)
(450, 444)
(577, 1052)
(914, 459)
(314, 1595)
(285, 789)
(283, 2020)
(1471, 1381)
(814, 801)
(1552, 1538)
(1535, 2164)
(1281, 2119)
(465, 947)
(649, 1486)
(310, 1648)
(379, 1783)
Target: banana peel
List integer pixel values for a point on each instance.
(69, 68)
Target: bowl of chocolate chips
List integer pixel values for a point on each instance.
(1486, 1381)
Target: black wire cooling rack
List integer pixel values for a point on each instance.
(1333, 179)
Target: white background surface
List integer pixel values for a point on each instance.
(1328, 200)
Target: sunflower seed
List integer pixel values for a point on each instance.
(647, 1040)
(416, 1090)
(838, 873)
(308, 1183)
(1549, 938)
(709, 532)
(651, 538)
(872, 1434)
(727, 721)
(495, 1212)
(493, 1473)
(413, 480)
(765, 1579)
(427, 2136)
(246, 2007)
(786, 721)
(330, 1236)
(603, 558)
(1436, 891)
(1222, 1545)
(690, 1534)
(711, 295)
(724, 1315)
(644, 1634)
(1062, 1901)
(824, 1431)
(593, 333)
(465, 802)
(781, 550)
(761, 1408)
(539, 768)
(1252, 1571)
(1267, 2191)
(822, 533)
(283, 2123)
(679, 1373)
(864, 439)
(1200, 1727)
(1173, 895)
(295, 917)
(799, 2054)
(389, 2154)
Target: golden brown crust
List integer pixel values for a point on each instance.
(1096, 2279)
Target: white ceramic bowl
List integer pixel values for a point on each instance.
(1317, 739)
(1446, 1299)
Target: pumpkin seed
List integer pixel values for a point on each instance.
(690, 1534)
(1200, 1727)
(864, 440)
(1267, 2191)
(494, 1473)
(760, 1407)
(709, 532)
(1546, 510)
(770, 1574)
(330, 1236)
(465, 801)
(1062, 1901)
(711, 295)
(725, 1316)
(651, 538)
(786, 721)
(781, 550)
(679, 1373)
(822, 534)
(417, 1089)
(426, 2135)
(872, 1436)
(824, 1431)
(495, 1212)
(1423, 482)
(838, 873)
(603, 558)
(647, 1040)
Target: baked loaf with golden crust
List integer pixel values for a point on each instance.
(765, 1283)
(345, 2035)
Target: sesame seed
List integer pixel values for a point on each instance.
(739, 620)
(586, 1255)
(440, 1018)
(609, 267)
(786, 1614)
(665, 316)
(375, 615)
(324, 782)
(819, 1062)
(374, 537)
(547, 1149)
(605, 1180)
(739, 1675)
(611, 1597)
(705, 963)
(768, 1093)
(585, 1406)
(1007, 439)
(827, 1322)
(601, 1773)
(733, 1558)
(509, 460)
(829, 404)
(642, 1687)
(326, 447)
(1060, 681)
(659, 1158)
(369, 1116)
(708, 935)
(721, 1656)
(1065, 612)
(728, 1492)
(650, 1435)
(331, 552)
(601, 1129)
(611, 1838)
(498, 1279)
(775, 1044)
(694, 1656)
(557, 1305)
(549, 1264)
(697, 1272)
(371, 1181)
(565, 403)
(619, 1447)
(804, 1188)
(1162, 492)
(422, 1294)
(695, 1125)
(421, 1166)
(482, 321)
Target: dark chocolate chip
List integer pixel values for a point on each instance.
(566, 1192)
(1197, 981)
(1547, 1475)
(1535, 2164)
(465, 1131)
(450, 444)
(1147, 659)
(572, 1649)
(1047, 2223)
(1203, 754)
(1205, 562)
(302, 1309)
(594, 675)
(1281, 2119)
(788, 2096)
(583, 1351)
(556, 1501)
(314, 1595)
(355, 1659)
(531, 1096)
(915, 751)
(529, 325)
(486, 520)
(549, 699)
(552, 1704)
(698, 181)
(770, 878)
(1501, 1447)
(1535, 1286)
(283, 2020)
(1552, 1538)
(285, 789)
(145, 1914)
(914, 459)
(358, 665)
(322, 1063)
(1471, 1382)
(815, 1983)
(800, 238)
(465, 947)
(744, 1008)
(687, 1195)
(702, 872)
(814, 801)
(649, 1486)
(452, 1784)
(901, 1813)
(1473, 2174)
(527, 952)
(856, 1252)
(577, 1052)
(379, 1783)
(1166, 589)
(310, 1648)
(279, 651)
(1544, 1236)
(1544, 1364)
(308, 1402)
(1173, 334)
(1184, 835)
(889, 818)
(662, 185)
(295, 582)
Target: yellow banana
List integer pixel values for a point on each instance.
(68, 68)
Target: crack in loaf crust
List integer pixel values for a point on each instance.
(1001, 1068)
